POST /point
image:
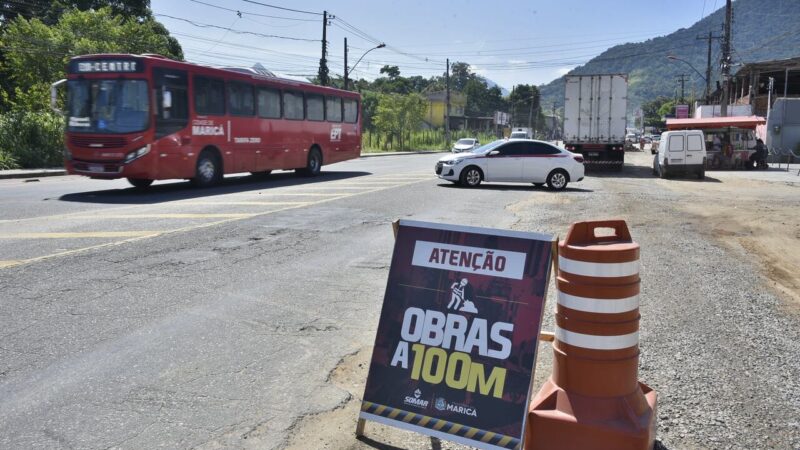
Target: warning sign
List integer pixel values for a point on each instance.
(457, 338)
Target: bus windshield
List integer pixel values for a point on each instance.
(107, 106)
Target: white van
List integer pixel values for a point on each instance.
(681, 152)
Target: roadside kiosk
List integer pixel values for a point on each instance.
(730, 141)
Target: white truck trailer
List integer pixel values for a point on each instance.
(595, 118)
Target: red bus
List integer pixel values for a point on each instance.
(146, 117)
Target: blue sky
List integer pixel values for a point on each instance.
(509, 42)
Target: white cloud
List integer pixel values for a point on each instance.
(516, 61)
(563, 71)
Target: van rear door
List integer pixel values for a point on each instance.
(694, 149)
(676, 149)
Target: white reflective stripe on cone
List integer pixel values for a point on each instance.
(593, 269)
(594, 342)
(598, 305)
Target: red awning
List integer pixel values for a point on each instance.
(748, 122)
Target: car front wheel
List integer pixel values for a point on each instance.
(471, 176)
(557, 180)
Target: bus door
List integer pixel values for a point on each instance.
(245, 139)
(292, 133)
(172, 136)
(270, 155)
(351, 134)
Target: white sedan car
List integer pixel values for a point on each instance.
(520, 161)
(465, 145)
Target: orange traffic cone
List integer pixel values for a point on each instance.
(593, 400)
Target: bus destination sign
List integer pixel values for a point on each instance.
(105, 65)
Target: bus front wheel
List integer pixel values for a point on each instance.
(208, 171)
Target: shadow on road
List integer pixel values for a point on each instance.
(183, 190)
(377, 444)
(513, 187)
(630, 171)
(436, 444)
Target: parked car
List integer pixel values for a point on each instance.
(465, 145)
(518, 161)
(521, 133)
(681, 152)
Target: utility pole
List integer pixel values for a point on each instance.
(323, 61)
(769, 96)
(710, 38)
(554, 122)
(726, 59)
(530, 117)
(682, 80)
(447, 104)
(345, 64)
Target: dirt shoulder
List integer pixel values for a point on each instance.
(720, 297)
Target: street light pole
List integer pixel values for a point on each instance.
(348, 72)
(675, 58)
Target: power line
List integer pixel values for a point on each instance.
(206, 25)
(252, 13)
(282, 8)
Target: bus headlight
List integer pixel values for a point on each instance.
(138, 153)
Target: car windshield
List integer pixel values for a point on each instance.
(107, 106)
(486, 148)
(465, 142)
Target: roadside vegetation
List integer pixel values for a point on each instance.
(395, 108)
(37, 38)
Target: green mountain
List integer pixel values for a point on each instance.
(762, 30)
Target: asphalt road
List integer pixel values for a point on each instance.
(186, 318)
(180, 317)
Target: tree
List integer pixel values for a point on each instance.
(391, 71)
(397, 114)
(36, 54)
(654, 110)
(460, 75)
(525, 102)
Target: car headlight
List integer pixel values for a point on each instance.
(456, 162)
(138, 153)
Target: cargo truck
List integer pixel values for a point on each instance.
(595, 118)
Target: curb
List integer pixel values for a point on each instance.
(423, 152)
(9, 174)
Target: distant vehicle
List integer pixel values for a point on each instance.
(630, 137)
(519, 161)
(521, 133)
(595, 114)
(146, 117)
(682, 152)
(465, 145)
(783, 126)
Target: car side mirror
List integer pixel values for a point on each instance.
(494, 152)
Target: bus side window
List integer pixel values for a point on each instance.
(350, 111)
(209, 96)
(315, 107)
(293, 105)
(269, 103)
(240, 99)
(172, 102)
(333, 109)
